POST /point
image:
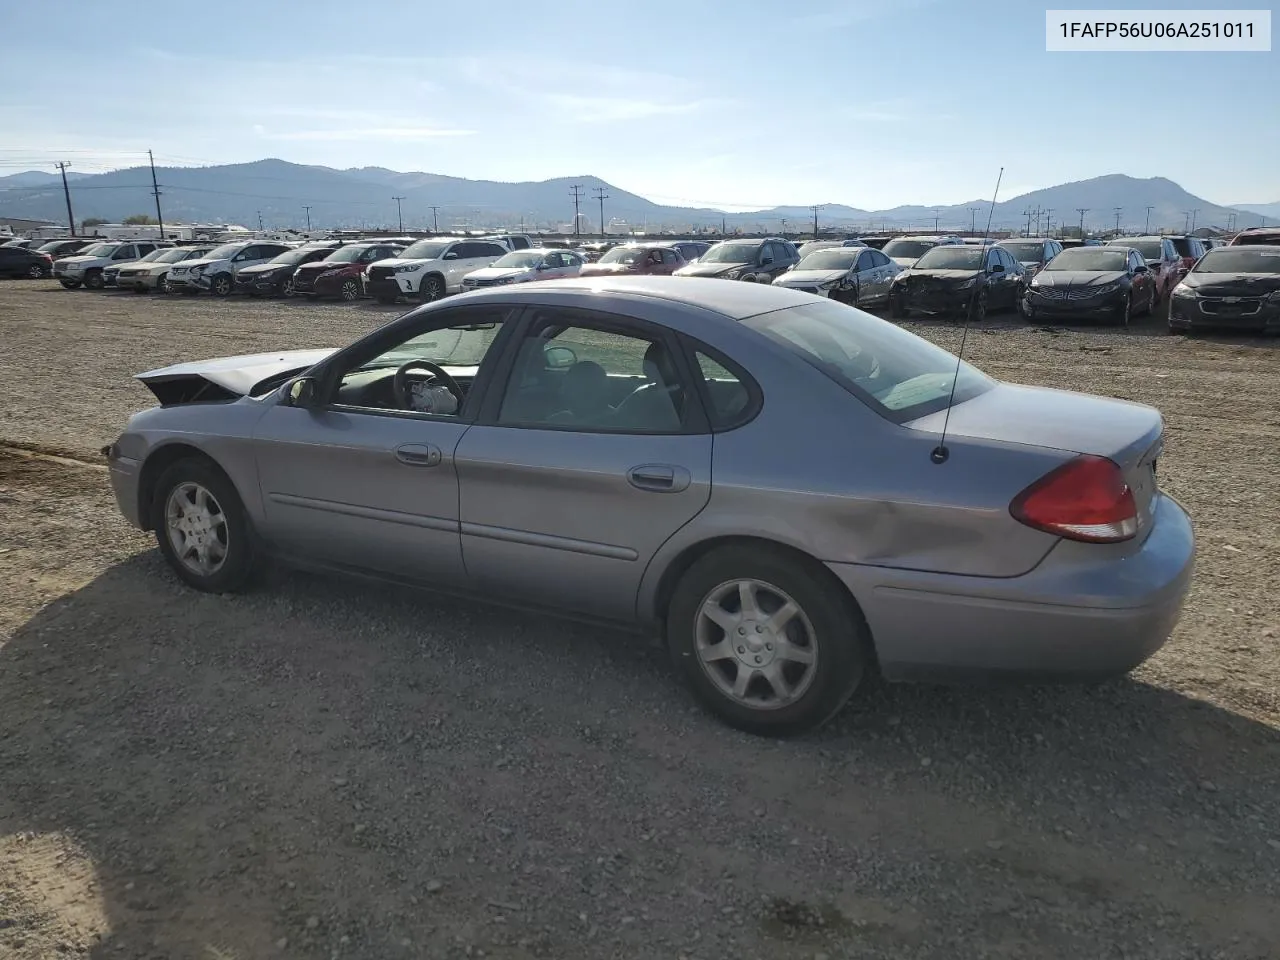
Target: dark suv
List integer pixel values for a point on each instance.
(753, 260)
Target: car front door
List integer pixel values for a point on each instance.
(364, 482)
(588, 459)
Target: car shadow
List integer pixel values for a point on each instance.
(293, 768)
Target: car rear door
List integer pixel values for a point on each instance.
(571, 481)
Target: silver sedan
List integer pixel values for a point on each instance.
(759, 474)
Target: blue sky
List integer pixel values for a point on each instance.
(872, 103)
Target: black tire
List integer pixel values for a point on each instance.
(70, 284)
(36, 272)
(849, 297)
(1125, 312)
(978, 307)
(240, 562)
(431, 289)
(221, 285)
(897, 306)
(349, 291)
(843, 658)
(162, 284)
(286, 287)
(139, 288)
(93, 280)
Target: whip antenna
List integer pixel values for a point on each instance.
(940, 453)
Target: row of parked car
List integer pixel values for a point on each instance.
(1038, 277)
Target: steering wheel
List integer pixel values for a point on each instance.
(400, 382)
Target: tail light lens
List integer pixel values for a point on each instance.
(1084, 499)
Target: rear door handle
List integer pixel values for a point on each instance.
(419, 454)
(659, 478)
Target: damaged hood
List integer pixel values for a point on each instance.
(184, 382)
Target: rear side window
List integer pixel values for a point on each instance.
(732, 397)
(899, 375)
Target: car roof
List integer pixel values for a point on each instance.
(734, 300)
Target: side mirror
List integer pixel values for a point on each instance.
(302, 393)
(1140, 268)
(765, 261)
(544, 266)
(997, 268)
(451, 255)
(559, 357)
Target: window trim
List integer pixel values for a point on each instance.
(695, 421)
(692, 346)
(332, 368)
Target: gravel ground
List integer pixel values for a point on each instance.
(320, 769)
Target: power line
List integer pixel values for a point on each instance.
(66, 192)
(602, 197)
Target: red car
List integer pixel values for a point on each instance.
(341, 273)
(655, 259)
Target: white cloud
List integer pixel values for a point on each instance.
(400, 134)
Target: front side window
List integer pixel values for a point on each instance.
(570, 374)
(429, 371)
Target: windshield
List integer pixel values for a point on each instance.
(1150, 249)
(909, 249)
(1237, 260)
(224, 252)
(425, 250)
(899, 375)
(839, 258)
(168, 255)
(1090, 258)
(51, 246)
(624, 255)
(521, 258)
(731, 253)
(290, 257)
(154, 255)
(813, 246)
(957, 257)
(1029, 252)
(99, 250)
(349, 254)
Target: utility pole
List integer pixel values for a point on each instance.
(155, 190)
(1048, 221)
(261, 228)
(723, 233)
(1027, 213)
(1194, 212)
(602, 197)
(1117, 210)
(399, 214)
(783, 221)
(66, 192)
(935, 221)
(308, 209)
(973, 214)
(576, 190)
(1082, 211)
(1186, 221)
(815, 208)
(1146, 227)
(435, 220)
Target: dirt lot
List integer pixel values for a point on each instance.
(319, 769)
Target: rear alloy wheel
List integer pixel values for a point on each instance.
(978, 307)
(350, 291)
(220, 286)
(70, 284)
(432, 289)
(93, 280)
(202, 528)
(770, 645)
(35, 272)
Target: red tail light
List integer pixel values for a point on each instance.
(1084, 499)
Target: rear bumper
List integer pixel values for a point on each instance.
(1084, 612)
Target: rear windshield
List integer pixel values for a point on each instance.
(1236, 260)
(1247, 239)
(907, 248)
(897, 374)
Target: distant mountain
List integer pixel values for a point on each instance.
(277, 194)
(37, 178)
(1269, 210)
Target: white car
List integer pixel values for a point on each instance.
(905, 251)
(429, 269)
(858, 276)
(525, 265)
(85, 268)
(216, 272)
(152, 271)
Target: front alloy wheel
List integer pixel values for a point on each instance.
(201, 526)
(432, 289)
(350, 290)
(286, 287)
(35, 272)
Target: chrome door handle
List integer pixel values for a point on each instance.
(419, 454)
(659, 478)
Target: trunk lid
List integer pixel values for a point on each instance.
(1131, 434)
